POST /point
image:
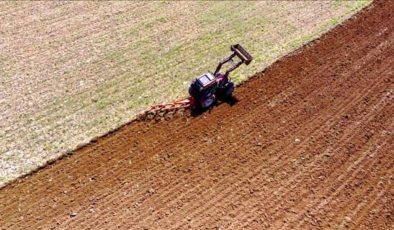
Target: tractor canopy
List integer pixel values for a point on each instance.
(206, 81)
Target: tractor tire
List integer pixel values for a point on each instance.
(229, 89)
(226, 91)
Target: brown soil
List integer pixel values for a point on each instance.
(309, 145)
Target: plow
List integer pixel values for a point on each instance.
(168, 110)
(204, 91)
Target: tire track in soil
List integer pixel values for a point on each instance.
(188, 164)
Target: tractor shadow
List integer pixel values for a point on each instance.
(199, 111)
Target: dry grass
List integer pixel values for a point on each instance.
(71, 71)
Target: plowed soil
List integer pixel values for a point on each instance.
(309, 145)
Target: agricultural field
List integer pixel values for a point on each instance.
(72, 71)
(308, 145)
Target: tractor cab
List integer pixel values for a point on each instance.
(203, 88)
(205, 82)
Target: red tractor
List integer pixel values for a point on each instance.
(206, 89)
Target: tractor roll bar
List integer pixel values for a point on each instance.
(242, 53)
(238, 51)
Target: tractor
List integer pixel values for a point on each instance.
(204, 90)
(210, 87)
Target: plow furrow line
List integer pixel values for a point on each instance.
(331, 118)
(368, 116)
(340, 181)
(241, 140)
(289, 186)
(359, 215)
(342, 203)
(369, 201)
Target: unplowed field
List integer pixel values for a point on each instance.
(71, 71)
(308, 145)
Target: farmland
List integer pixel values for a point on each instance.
(72, 71)
(309, 145)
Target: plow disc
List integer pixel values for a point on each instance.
(166, 111)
